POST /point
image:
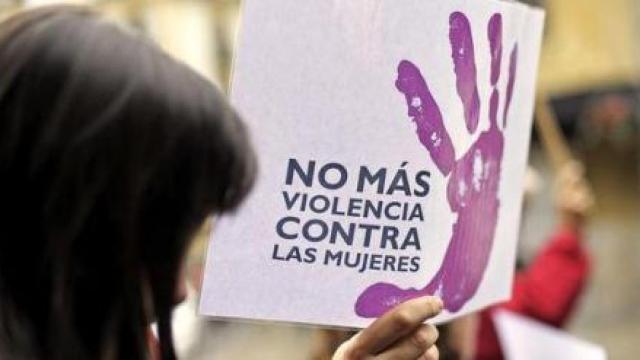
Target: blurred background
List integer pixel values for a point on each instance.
(590, 74)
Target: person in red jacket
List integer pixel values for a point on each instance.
(547, 290)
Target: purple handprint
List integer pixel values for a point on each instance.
(473, 179)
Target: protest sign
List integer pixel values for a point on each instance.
(392, 138)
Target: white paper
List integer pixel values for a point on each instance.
(525, 339)
(350, 90)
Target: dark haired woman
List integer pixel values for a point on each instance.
(111, 155)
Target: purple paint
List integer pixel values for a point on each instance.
(494, 33)
(426, 114)
(473, 181)
(464, 63)
(513, 64)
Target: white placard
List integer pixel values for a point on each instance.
(392, 137)
(522, 338)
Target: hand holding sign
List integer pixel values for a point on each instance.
(400, 334)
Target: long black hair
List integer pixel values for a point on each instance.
(111, 155)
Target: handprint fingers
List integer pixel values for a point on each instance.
(494, 33)
(464, 62)
(427, 116)
(513, 64)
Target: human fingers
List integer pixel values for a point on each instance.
(413, 346)
(396, 324)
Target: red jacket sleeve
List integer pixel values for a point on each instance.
(546, 290)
